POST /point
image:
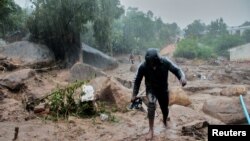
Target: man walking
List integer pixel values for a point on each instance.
(155, 70)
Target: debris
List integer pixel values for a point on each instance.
(88, 93)
(195, 129)
(104, 117)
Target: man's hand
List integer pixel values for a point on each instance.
(133, 98)
(183, 82)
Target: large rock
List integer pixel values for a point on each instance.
(178, 96)
(27, 53)
(80, 71)
(234, 90)
(226, 109)
(15, 80)
(181, 115)
(98, 59)
(111, 91)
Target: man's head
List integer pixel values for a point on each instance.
(152, 57)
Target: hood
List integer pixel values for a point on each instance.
(152, 57)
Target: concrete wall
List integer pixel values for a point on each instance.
(240, 53)
(237, 29)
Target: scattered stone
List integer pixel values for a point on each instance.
(39, 108)
(234, 90)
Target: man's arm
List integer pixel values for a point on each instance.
(137, 82)
(177, 72)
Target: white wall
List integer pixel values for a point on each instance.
(241, 53)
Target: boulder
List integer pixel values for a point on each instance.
(80, 71)
(111, 91)
(226, 109)
(97, 58)
(27, 53)
(178, 96)
(15, 80)
(133, 68)
(181, 115)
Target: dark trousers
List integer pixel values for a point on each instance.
(163, 100)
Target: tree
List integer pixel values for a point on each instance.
(195, 29)
(246, 35)
(63, 21)
(217, 28)
(109, 10)
(226, 42)
(11, 17)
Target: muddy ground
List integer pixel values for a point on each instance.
(205, 81)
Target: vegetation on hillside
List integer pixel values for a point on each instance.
(209, 41)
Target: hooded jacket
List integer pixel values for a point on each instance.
(155, 70)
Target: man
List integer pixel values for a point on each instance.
(132, 58)
(155, 70)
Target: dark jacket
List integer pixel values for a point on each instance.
(156, 80)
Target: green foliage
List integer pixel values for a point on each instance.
(62, 103)
(12, 17)
(136, 31)
(190, 48)
(186, 48)
(196, 29)
(215, 42)
(246, 35)
(217, 28)
(109, 10)
(59, 23)
(63, 22)
(205, 52)
(226, 42)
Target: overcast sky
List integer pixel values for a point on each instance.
(184, 12)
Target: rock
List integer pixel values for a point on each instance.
(178, 96)
(2, 96)
(72, 119)
(27, 53)
(126, 83)
(111, 91)
(39, 108)
(234, 90)
(15, 80)
(181, 115)
(226, 109)
(80, 71)
(198, 129)
(133, 68)
(97, 58)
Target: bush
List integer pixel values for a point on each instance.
(186, 49)
(226, 42)
(190, 48)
